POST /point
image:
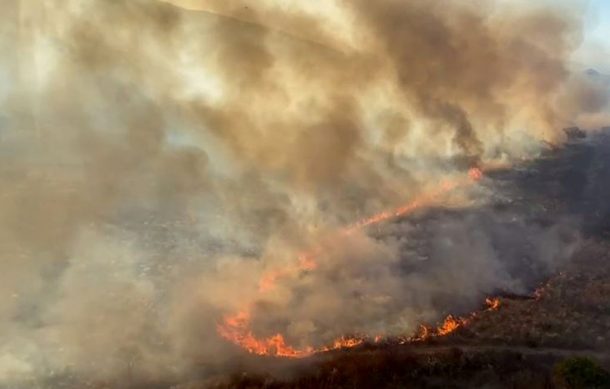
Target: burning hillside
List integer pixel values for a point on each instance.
(235, 328)
(188, 184)
(517, 338)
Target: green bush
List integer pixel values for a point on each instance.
(578, 372)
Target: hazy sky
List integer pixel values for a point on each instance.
(596, 48)
(595, 51)
(599, 16)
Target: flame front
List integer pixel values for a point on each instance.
(493, 303)
(236, 327)
(452, 323)
(449, 325)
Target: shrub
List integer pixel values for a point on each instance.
(578, 372)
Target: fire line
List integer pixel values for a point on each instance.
(235, 327)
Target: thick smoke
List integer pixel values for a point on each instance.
(155, 161)
(390, 283)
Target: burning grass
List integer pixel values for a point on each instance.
(557, 337)
(236, 328)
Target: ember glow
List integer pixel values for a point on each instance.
(493, 304)
(236, 327)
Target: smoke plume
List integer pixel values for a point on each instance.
(157, 158)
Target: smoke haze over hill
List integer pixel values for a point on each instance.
(157, 160)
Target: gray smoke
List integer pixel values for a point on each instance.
(155, 161)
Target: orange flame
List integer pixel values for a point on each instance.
(343, 342)
(493, 303)
(236, 327)
(475, 174)
(450, 324)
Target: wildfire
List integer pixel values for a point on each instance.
(343, 342)
(544, 289)
(451, 323)
(306, 262)
(475, 174)
(493, 304)
(236, 327)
